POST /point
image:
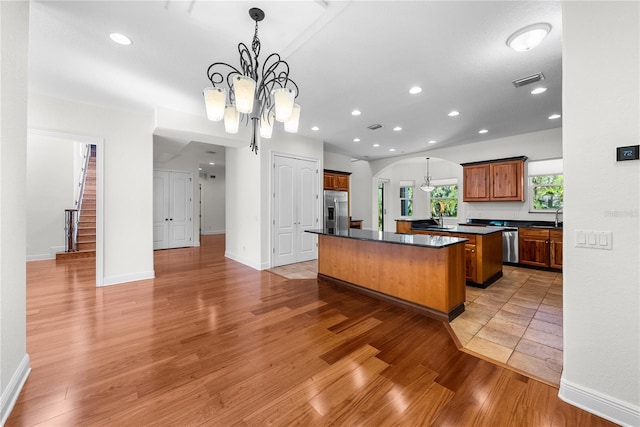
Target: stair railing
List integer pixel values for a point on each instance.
(72, 216)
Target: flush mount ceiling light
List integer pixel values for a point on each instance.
(426, 186)
(356, 139)
(528, 37)
(432, 142)
(315, 128)
(454, 113)
(376, 145)
(120, 39)
(356, 113)
(261, 98)
(397, 128)
(538, 90)
(483, 131)
(554, 116)
(415, 90)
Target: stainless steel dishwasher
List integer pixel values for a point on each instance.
(510, 245)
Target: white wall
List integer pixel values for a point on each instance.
(601, 55)
(128, 178)
(213, 203)
(14, 360)
(51, 187)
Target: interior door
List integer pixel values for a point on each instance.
(160, 210)
(295, 200)
(180, 209)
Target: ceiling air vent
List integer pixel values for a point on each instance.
(375, 127)
(528, 80)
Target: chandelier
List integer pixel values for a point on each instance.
(426, 186)
(260, 94)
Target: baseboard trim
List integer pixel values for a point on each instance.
(126, 278)
(40, 257)
(11, 393)
(242, 260)
(599, 404)
(206, 233)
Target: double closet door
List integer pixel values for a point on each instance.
(172, 209)
(295, 210)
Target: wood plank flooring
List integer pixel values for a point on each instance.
(215, 343)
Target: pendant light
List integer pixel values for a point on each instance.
(426, 186)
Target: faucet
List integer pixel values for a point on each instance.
(557, 213)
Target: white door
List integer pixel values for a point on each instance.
(295, 200)
(172, 209)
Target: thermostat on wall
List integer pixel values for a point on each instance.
(628, 153)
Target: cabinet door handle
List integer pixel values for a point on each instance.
(166, 219)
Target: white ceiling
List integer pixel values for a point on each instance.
(342, 54)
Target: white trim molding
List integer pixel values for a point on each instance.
(245, 261)
(11, 393)
(126, 278)
(207, 233)
(604, 406)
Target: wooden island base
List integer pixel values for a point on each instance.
(426, 279)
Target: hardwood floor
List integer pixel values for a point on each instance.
(213, 342)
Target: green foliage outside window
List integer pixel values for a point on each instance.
(548, 192)
(444, 198)
(406, 201)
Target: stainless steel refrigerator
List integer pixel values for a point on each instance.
(336, 210)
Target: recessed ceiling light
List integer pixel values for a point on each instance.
(414, 90)
(397, 128)
(199, 169)
(356, 139)
(454, 113)
(538, 90)
(120, 39)
(483, 131)
(315, 128)
(211, 163)
(392, 149)
(356, 113)
(554, 116)
(528, 37)
(376, 145)
(432, 142)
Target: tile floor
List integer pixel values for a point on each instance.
(516, 321)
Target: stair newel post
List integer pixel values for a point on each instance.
(71, 229)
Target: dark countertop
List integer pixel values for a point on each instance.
(512, 223)
(463, 229)
(414, 219)
(437, 242)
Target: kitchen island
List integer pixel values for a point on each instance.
(425, 273)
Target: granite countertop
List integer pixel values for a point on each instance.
(436, 242)
(411, 219)
(513, 223)
(464, 229)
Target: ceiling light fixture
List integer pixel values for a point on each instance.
(454, 113)
(262, 99)
(212, 164)
(426, 186)
(554, 116)
(315, 128)
(538, 90)
(483, 131)
(397, 128)
(415, 90)
(356, 113)
(528, 37)
(376, 145)
(356, 139)
(392, 149)
(432, 142)
(120, 39)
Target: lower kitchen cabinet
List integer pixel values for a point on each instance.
(540, 247)
(470, 262)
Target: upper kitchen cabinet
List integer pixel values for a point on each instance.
(494, 181)
(334, 180)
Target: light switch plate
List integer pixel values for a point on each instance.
(594, 239)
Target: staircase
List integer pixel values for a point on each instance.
(86, 243)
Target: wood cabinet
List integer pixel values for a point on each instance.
(334, 180)
(555, 248)
(494, 181)
(403, 227)
(355, 223)
(483, 256)
(540, 247)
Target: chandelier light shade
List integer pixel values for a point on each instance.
(215, 102)
(261, 93)
(426, 186)
(266, 124)
(231, 119)
(291, 125)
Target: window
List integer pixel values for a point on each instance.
(406, 198)
(546, 185)
(444, 198)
